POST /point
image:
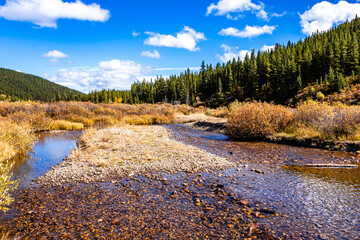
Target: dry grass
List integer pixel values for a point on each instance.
(253, 120)
(4, 235)
(65, 125)
(331, 121)
(14, 139)
(58, 116)
(310, 119)
(146, 119)
(119, 151)
(221, 112)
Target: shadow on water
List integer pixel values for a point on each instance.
(49, 150)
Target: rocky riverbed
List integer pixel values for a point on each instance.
(158, 182)
(116, 152)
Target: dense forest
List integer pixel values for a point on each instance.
(16, 85)
(330, 58)
(277, 75)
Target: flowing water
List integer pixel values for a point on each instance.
(49, 150)
(310, 202)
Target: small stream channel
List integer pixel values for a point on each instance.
(49, 150)
(311, 203)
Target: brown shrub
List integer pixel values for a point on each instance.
(334, 121)
(254, 120)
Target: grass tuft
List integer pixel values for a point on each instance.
(65, 125)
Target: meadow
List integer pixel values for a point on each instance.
(19, 121)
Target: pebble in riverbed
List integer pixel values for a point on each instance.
(129, 208)
(115, 152)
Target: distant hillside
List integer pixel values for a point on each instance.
(17, 85)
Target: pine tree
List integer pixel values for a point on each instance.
(298, 85)
(220, 95)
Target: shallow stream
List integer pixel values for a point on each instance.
(310, 203)
(49, 150)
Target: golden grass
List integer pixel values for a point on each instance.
(51, 116)
(4, 235)
(221, 112)
(65, 125)
(310, 119)
(252, 120)
(146, 119)
(14, 139)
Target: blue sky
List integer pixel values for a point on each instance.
(93, 44)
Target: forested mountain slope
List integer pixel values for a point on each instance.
(17, 85)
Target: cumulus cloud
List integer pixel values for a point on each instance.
(248, 32)
(232, 52)
(226, 7)
(324, 15)
(55, 57)
(266, 48)
(118, 74)
(55, 54)
(45, 13)
(186, 39)
(149, 54)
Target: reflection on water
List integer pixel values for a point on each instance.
(49, 150)
(316, 203)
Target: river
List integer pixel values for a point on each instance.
(309, 202)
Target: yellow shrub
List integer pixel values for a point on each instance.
(14, 139)
(146, 119)
(257, 120)
(65, 125)
(18, 137)
(218, 112)
(337, 121)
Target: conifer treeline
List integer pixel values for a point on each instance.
(275, 75)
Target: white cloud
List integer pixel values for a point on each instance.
(55, 54)
(225, 7)
(118, 74)
(55, 57)
(232, 52)
(178, 69)
(324, 15)
(186, 39)
(135, 34)
(266, 48)
(249, 31)
(279, 14)
(45, 13)
(149, 54)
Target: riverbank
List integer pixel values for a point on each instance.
(255, 198)
(134, 181)
(111, 153)
(219, 125)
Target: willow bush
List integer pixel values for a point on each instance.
(14, 139)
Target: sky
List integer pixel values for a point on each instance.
(103, 44)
